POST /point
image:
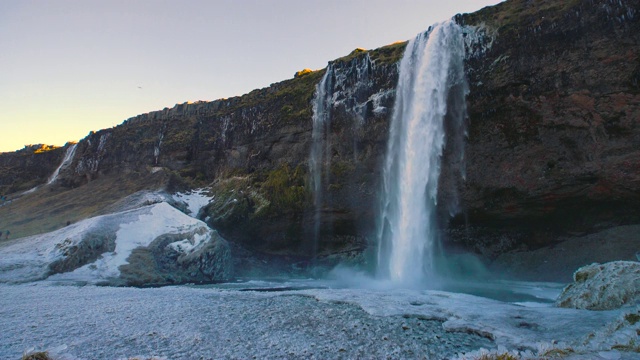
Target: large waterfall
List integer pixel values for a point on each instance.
(320, 147)
(431, 72)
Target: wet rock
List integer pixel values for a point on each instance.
(603, 286)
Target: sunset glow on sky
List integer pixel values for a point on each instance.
(69, 67)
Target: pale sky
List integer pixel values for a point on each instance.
(71, 66)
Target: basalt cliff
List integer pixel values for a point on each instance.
(552, 148)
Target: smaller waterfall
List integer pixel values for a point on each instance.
(320, 147)
(68, 157)
(431, 73)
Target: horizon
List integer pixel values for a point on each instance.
(76, 67)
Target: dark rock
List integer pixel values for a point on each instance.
(24, 169)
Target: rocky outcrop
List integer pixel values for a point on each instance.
(27, 168)
(603, 287)
(151, 245)
(554, 137)
(553, 145)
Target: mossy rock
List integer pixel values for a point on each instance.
(285, 190)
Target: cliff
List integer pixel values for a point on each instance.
(553, 146)
(554, 137)
(24, 169)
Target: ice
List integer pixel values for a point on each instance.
(159, 219)
(186, 246)
(195, 200)
(187, 322)
(29, 259)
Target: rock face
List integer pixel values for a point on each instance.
(554, 134)
(29, 167)
(553, 146)
(603, 286)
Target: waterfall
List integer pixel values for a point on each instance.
(431, 71)
(320, 147)
(68, 156)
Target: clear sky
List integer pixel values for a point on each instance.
(71, 66)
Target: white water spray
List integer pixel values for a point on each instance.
(68, 157)
(431, 67)
(320, 146)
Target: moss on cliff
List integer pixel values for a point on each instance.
(385, 55)
(389, 54)
(295, 93)
(285, 189)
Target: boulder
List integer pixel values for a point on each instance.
(603, 286)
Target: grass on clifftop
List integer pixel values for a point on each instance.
(511, 14)
(296, 94)
(385, 55)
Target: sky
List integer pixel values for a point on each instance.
(72, 66)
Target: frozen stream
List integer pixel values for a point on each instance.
(227, 321)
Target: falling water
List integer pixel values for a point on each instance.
(431, 69)
(68, 156)
(320, 146)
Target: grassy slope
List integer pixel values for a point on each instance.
(50, 207)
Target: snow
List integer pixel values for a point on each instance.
(28, 259)
(195, 200)
(161, 219)
(224, 322)
(186, 246)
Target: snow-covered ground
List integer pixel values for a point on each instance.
(226, 321)
(194, 200)
(348, 315)
(94, 249)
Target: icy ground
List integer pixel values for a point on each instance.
(226, 321)
(29, 259)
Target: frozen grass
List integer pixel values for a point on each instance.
(190, 323)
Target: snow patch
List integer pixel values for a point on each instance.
(161, 219)
(195, 200)
(109, 239)
(187, 246)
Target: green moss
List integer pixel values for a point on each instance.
(293, 96)
(386, 55)
(284, 189)
(233, 201)
(340, 168)
(352, 55)
(389, 54)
